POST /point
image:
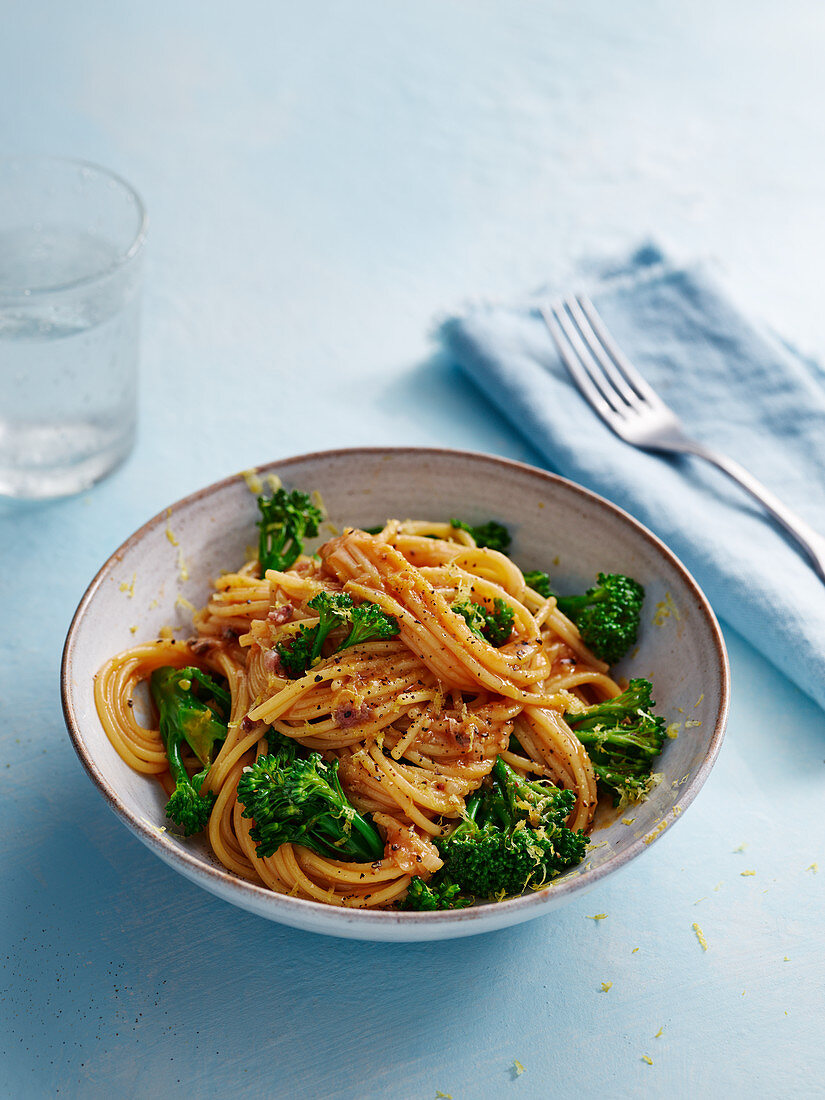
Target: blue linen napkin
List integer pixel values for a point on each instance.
(736, 386)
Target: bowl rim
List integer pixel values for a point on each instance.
(289, 909)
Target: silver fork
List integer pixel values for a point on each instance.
(636, 413)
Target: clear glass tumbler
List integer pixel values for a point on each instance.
(71, 251)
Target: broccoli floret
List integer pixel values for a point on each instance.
(304, 648)
(622, 737)
(195, 709)
(607, 615)
(539, 582)
(301, 802)
(513, 836)
(369, 623)
(494, 626)
(286, 520)
(281, 746)
(366, 620)
(491, 534)
(296, 654)
(426, 897)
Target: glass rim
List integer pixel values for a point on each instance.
(121, 260)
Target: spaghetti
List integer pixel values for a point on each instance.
(415, 721)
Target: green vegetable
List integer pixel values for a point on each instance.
(622, 737)
(296, 654)
(425, 897)
(539, 582)
(369, 624)
(491, 534)
(286, 520)
(366, 620)
(513, 836)
(607, 615)
(296, 801)
(494, 626)
(194, 709)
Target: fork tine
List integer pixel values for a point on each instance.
(554, 318)
(612, 395)
(596, 348)
(642, 388)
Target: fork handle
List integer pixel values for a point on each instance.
(810, 540)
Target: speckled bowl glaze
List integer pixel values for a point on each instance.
(555, 524)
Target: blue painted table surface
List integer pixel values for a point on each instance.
(323, 181)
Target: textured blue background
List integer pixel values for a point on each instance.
(323, 180)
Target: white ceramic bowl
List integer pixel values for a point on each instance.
(555, 525)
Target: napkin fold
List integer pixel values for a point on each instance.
(737, 387)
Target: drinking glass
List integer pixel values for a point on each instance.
(71, 249)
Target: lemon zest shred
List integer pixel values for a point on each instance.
(700, 936)
(659, 1033)
(597, 916)
(648, 1059)
(169, 532)
(129, 588)
(664, 610)
(518, 1068)
(747, 874)
(606, 987)
(253, 482)
(183, 568)
(651, 836)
